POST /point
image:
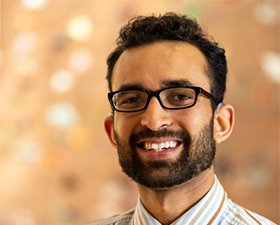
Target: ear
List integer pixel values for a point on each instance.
(109, 128)
(223, 123)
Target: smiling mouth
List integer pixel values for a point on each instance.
(159, 147)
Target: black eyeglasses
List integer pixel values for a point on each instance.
(169, 98)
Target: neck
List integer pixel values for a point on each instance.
(167, 205)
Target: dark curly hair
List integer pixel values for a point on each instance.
(173, 27)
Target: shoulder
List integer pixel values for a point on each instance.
(235, 214)
(122, 219)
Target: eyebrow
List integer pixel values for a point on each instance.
(165, 84)
(175, 83)
(125, 87)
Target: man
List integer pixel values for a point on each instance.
(167, 81)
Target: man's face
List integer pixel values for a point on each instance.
(160, 148)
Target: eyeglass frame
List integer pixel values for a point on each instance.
(198, 90)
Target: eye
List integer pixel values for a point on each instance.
(178, 97)
(129, 100)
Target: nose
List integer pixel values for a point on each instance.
(155, 117)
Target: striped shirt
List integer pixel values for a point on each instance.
(213, 208)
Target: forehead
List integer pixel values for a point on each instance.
(151, 66)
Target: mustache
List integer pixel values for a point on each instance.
(147, 133)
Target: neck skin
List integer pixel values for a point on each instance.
(167, 205)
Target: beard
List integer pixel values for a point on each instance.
(196, 156)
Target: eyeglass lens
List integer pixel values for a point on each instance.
(170, 98)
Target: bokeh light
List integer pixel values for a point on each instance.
(80, 28)
(62, 115)
(34, 4)
(80, 60)
(267, 12)
(270, 63)
(62, 81)
(24, 43)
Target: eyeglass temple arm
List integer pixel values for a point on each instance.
(214, 98)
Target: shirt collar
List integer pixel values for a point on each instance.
(207, 209)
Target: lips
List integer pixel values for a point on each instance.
(159, 147)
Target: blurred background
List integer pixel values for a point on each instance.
(57, 166)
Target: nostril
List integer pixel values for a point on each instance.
(155, 121)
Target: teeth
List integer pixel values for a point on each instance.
(154, 146)
(166, 145)
(159, 147)
(172, 144)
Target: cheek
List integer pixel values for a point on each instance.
(194, 119)
(123, 125)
